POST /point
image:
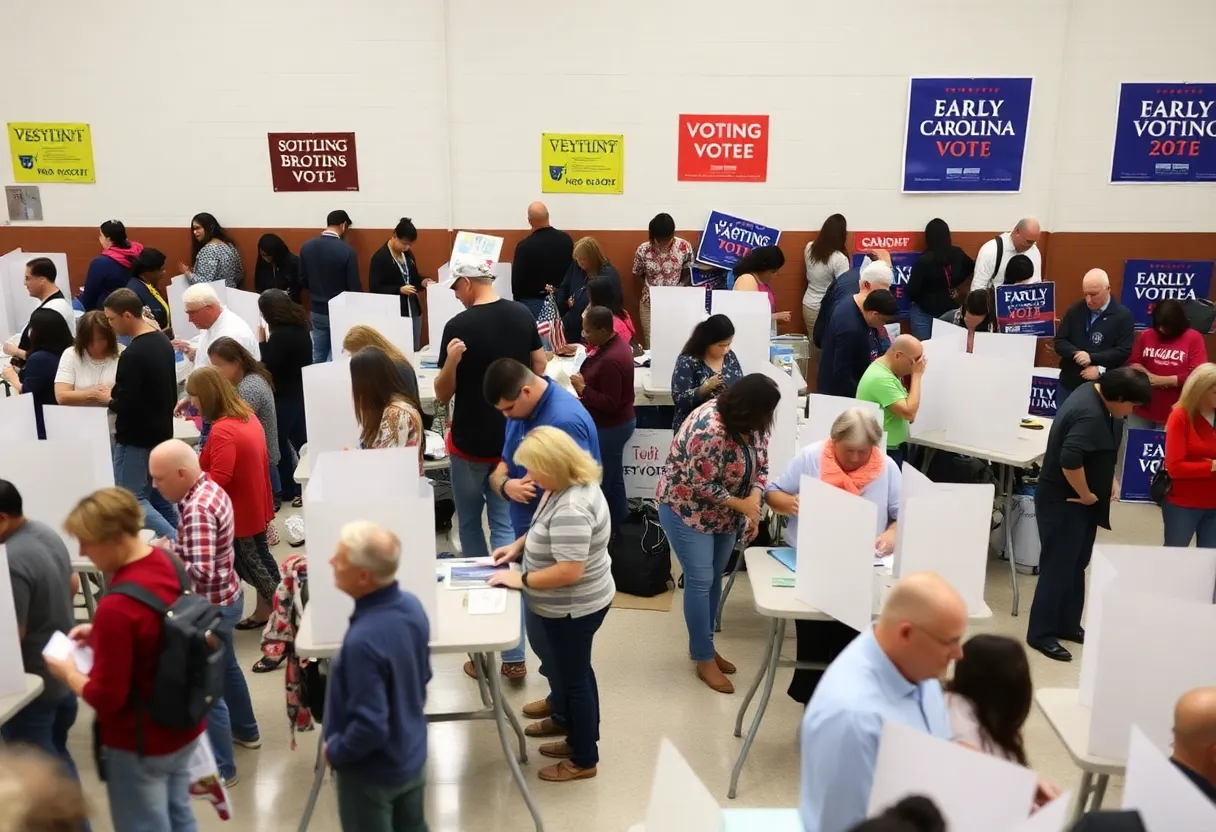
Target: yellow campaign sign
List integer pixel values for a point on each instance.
(51, 152)
(582, 163)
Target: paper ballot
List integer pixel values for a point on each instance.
(487, 601)
(60, 647)
(580, 356)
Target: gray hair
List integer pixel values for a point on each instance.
(878, 274)
(373, 548)
(856, 425)
(202, 294)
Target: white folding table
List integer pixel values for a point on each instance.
(759, 820)
(12, 704)
(1070, 720)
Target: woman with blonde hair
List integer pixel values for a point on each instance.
(571, 297)
(1189, 508)
(236, 459)
(360, 336)
(567, 584)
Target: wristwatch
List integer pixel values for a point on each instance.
(524, 580)
(502, 489)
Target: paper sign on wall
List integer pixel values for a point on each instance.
(1143, 453)
(1027, 308)
(643, 461)
(1164, 133)
(51, 152)
(726, 239)
(313, 161)
(723, 149)
(901, 268)
(1148, 282)
(582, 163)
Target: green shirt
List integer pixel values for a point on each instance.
(881, 386)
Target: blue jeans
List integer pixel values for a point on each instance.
(570, 640)
(44, 724)
(276, 484)
(289, 414)
(534, 626)
(703, 557)
(150, 794)
(131, 473)
(921, 321)
(321, 351)
(1184, 524)
(612, 452)
(233, 714)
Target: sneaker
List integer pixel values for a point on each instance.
(232, 781)
(272, 534)
(254, 743)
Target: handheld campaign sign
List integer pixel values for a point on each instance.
(644, 458)
(1164, 133)
(1143, 454)
(1148, 282)
(1044, 392)
(901, 265)
(726, 239)
(1027, 308)
(470, 247)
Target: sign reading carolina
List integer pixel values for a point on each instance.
(50, 152)
(582, 163)
(313, 161)
(1165, 133)
(723, 149)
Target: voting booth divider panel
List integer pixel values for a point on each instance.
(751, 316)
(380, 312)
(835, 566)
(674, 312)
(25, 464)
(90, 425)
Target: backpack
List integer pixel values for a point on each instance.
(190, 668)
(641, 555)
(1000, 255)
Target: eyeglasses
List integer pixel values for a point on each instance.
(944, 642)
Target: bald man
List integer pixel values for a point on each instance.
(1195, 739)
(541, 260)
(882, 384)
(994, 255)
(1095, 335)
(889, 672)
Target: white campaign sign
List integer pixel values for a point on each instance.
(645, 455)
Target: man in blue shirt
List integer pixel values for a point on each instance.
(889, 672)
(855, 337)
(328, 267)
(375, 728)
(530, 401)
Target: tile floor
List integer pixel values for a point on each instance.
(648, 691)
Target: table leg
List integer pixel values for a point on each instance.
(317, 780)
(1100, 791)
(773, 644)
(483, 673)
(500, 719)
(90, 603)
(770, 672)
(1007, 477)
(485, 661)
(1083, 793)
(730, 582)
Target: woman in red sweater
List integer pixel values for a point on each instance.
(1189, 509)
(235, 457)
(1167, 351)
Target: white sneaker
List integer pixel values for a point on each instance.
(253, 743)
(232, 781)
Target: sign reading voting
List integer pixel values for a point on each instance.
(1044, 396)
(313, 161)
(1027, 308)
(582, 163)
(1165, 133)
(966, 134)
(1145, 282)
(1143, 453)
(723, 149)
(51, 152)
(901, 264)
(726, 239)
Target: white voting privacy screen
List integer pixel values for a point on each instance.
(17, 301)
(937, 387)
(973, 790)
(835, 571)
(12, 667)
(783, 438)
(50, 499)
(994, 394)
(380, 312)
(90, 425)
(244, 305)
(329, 411)
(1166, 800)
(6, 324)
(948, 337)
(441, 306)
(674, 312)
(643, 461)
(17, 420)
(752, 317)
(679, 801)
(1019, 350)
(1052, 817)
(824, 411)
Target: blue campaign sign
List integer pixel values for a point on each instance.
(1026, 308)
(1143, 453)
(966, 134)
(1146, 282)
(726, 239)
(1043, 396)
(901, 264)
(1165, 133)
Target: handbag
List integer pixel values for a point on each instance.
(1160, 485)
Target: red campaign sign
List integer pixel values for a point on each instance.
(723, 149)
(313, 161)
(889, 240)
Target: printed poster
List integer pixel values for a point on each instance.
(901, 264)
(1143, 453)
(966, 134)
(726, 239)
(582, 163)
(644, 458)
(889, 240)
(51, 152)
(723, 149)
(313, 161)
(1044, 396)
(1145, 282)
(1026, 308)
(1165, 133)
(471, 247)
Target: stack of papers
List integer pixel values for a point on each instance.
(60, 647)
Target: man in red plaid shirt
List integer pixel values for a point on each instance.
(204, 545)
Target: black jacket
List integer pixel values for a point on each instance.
(845, 285)
(541, 260)
(384, 277)
(269, 276)
(1108, 342)
(328, 267)
(574, 287)
(933, 278)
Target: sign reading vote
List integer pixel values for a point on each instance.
(582, 163)
(1147, 282)
(723, 149)
(51, 152)
(1044, 391)
(1027, 308)
(1143, 453)
(1165, 133)
(313, 161)
(901, 264)
(643, 461)
(726, 239)
(966, 134)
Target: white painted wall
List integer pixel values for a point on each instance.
(448, 99)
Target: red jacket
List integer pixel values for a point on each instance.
(1190, 448)
(235, 457)
(1166, 358)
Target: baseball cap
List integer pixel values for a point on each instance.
(471, 270)
(337, 218)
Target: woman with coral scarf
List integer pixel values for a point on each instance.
(852, 459)
(111, 269)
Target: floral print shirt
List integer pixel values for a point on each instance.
(657, 267)
(400, 427)
(688, 376)
(218, 261)
(705, 466)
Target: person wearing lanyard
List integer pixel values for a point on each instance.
(393, 271)
(1095, 336)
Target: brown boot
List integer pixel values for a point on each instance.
(559, 750)
(545, 728)
(723, 665)
(538, 709)
(564, 772)
(711, 675)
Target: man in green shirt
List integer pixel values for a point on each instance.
(881, 384)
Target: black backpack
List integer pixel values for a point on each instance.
(641, 555)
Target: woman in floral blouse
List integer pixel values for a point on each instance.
(663, 260)
(215, 255)
(705, 367)
(709, 491)
(389, 415)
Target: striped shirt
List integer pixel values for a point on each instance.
(571, 525)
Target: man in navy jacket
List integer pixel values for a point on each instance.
(328, 267)
(1096, 332)
(855, 337)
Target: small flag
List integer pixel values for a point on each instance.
(549, 325)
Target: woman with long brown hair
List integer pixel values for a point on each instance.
(255, 386)
(88, 370)
(362, 335)
(389, 415)
(826, 259)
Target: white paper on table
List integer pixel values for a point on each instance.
(1053, 817)
(576, 363)
(973, 790)
(678, 799)
(1165, 799)
(59, 647)
(490, 601)
(835, 569)
(752, 316)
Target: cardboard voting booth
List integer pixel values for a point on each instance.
(783, 438)
(674, 312)
(244, 305)
(50, 499)
(824, 410)
(329, 409)
(17, 302)
(381, 487)
(17, 420)
(12, 666)
(1165, 799)
(752, 317)
(380, 312)
(6, 326)
(90, 425)
(835, 569)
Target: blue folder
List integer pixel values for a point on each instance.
(787, 556)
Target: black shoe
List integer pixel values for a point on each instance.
(1052, 650)
(1076, 638)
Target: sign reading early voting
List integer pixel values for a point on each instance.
(726, 239)
(966, 134)
(1143, 453)
(1027, 308)
(1147, 282)
(723, 149)
(901, 264)
(1044, 396)
(1165, 133)
(582, 163)
(51, 152)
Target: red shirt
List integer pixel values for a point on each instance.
(236, 458)
(1166, 358)
(126, 648)
(1190, 448)
(608, 394)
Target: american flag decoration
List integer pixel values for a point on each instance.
(549, 325)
